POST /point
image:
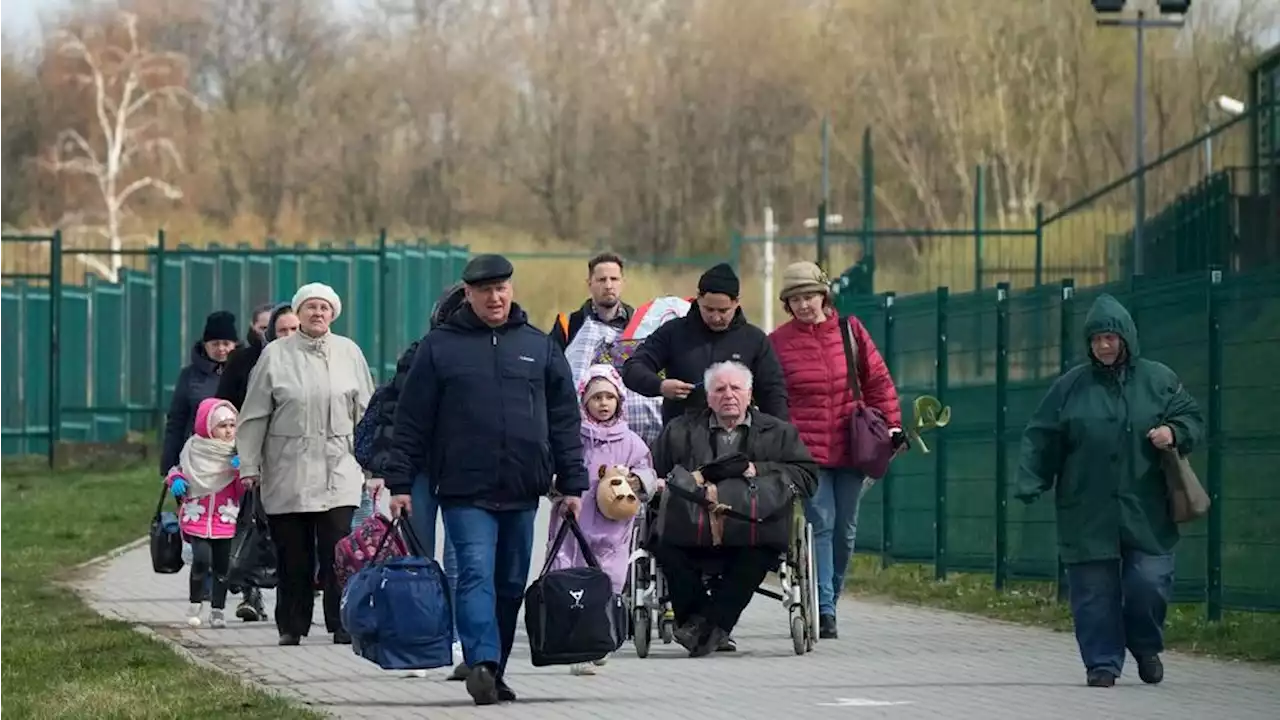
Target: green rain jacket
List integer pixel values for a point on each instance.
(1088, 442)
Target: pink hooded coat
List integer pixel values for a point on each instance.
(611, 443)
(210, 516)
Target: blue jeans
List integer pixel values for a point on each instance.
(833, 512)
(494, 550)
(1118, 604)
(423, 518)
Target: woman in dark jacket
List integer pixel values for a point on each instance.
(384, 413)
(280, 322)
(197, 382)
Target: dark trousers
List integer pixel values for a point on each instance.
(741, 572)
(302, 541)
(1119, 604)
(210, 560)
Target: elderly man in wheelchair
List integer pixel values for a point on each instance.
(734, 476)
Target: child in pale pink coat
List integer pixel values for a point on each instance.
(606, 441)
(206, 482)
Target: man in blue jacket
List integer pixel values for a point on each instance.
(489, 413)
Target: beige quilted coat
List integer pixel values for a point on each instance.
(295, 431)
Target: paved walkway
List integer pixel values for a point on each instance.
(891, 662)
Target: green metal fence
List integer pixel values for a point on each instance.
(992, 355)
(1203, 212)
(102, 360)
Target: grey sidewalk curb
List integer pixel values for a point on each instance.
(187, 652)
(112, 554)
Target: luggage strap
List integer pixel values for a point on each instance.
(569, 524)
(717, 510)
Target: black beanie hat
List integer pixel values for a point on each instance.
(220, 325)
(721, 280)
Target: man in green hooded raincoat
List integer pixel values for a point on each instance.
(1096, 440)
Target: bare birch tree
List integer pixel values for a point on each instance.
(133, 90)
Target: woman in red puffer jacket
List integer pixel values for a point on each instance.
(821, 405)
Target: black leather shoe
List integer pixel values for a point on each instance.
(505, 693)
(689, 635)
(341, 637)
(827, 627)
(460, 672)
(710, 643)
(287, 639)
(482, 686)
(1151, 669)
(1101, 678)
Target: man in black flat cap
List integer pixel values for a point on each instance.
(489, 413)
(715, 330)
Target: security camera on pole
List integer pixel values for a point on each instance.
(1110, 10)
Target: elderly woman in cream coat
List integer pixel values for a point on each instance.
(305, 396)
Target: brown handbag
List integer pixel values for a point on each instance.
(1187, 499)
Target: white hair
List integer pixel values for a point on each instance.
(728, 366)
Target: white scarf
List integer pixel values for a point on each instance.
(206, 465)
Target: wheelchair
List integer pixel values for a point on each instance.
(797, 586)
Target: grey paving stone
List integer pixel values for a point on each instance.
(892, 662)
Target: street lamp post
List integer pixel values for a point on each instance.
(821, 223)
(1228, 105)
(1108, 9)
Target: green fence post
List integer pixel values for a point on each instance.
(55, 343)
(869, 208)
(383, 287)
(979, 204)
(1039, 244)
(157, 346)
(886, 492)
(1066, 341)
(1002, 447)
(940, 446)
(1213, 555)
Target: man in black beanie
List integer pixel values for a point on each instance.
(715, 330)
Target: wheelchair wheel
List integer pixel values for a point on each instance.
(642, 619)
(811, 584)
(799, 636)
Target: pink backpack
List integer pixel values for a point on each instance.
(356, 550)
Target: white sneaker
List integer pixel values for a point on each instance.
(217, 619)
(602, 661)
(417, 674)
(582, 669)
(193, 614)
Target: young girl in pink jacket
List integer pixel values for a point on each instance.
(206, 482)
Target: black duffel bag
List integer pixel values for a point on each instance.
(166, 539)
(573, 615)
(715, 506)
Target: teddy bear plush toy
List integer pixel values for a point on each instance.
(618, 493)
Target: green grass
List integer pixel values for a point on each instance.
(62, 660)
(1240, 635)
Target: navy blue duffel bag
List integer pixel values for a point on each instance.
(398, 611)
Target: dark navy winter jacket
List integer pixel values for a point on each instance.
(490, 414)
